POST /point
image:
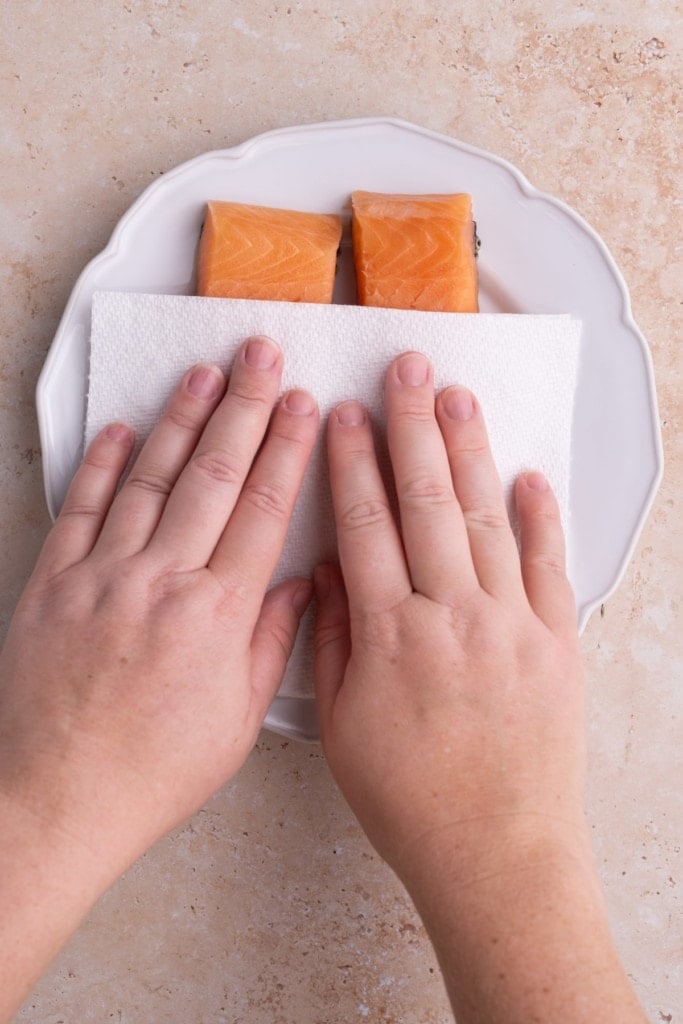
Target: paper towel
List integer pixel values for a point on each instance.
(522, 368)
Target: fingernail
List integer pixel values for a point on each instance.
(205, 382)
(350, 414)
(299, 402)
(458, 404)
(261, 353)
(536, 481)
(301, 598)
(119, 432)
(413, 369)
(322, 581)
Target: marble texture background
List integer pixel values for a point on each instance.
(270, 905)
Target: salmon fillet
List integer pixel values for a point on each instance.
(415, 252)
(255, 252)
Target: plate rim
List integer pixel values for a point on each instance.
(242, 149)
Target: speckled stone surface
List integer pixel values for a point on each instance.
(270, 905)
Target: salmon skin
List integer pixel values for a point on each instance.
(255, 252)
(415, 252)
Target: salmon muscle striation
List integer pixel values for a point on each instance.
(415, 252)
(256, 252)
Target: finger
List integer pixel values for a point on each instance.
(543, 554)
(251, 545)
(370, 549)
(207, 490)
(479, 492)
(432, 525)
(332, 641)
(138, 506)
(88, 500)
(273, 641)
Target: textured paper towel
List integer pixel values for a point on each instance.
(522, 368)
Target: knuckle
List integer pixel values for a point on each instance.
(269, 498)
(234, 588)
(150, 480)
(475, 448)
(385, 632)
(358, 458)
(364, 514)
(248, 394)
(544, 514)
(179, 417)
(282, 639)
(101, 461)
(291, 436)
(119, 591)
(219, 467)
(84, 509)
(549, 563)
(482, 518)
(172, 582)
(415, 412)
(426, 490)
(328, 635)
(67, 595)
(491, 644)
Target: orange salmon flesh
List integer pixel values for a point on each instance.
(415, 252)
(254, 252)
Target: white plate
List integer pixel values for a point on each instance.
(537, 256)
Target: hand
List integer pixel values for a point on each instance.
(450, 703)
(449, 686)
(145, 652)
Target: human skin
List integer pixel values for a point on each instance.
(146, 649)
(450, 699)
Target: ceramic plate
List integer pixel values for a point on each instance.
(537, 256)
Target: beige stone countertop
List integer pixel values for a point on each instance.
(270, 905)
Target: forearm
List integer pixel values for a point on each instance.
(48, 882)
(526, 941)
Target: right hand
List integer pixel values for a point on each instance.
(448, 681)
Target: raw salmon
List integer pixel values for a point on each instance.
(415, 252)
(255, 252)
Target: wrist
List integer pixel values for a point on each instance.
(474, 855)
(489, 873)
(51, 848)
(80, 804)
(48, 883)
(500, 879)
(520, 928)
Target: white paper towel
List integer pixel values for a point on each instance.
(522, 368)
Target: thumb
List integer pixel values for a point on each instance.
(332, 639)
(273, 640)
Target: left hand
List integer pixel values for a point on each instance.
(145, 651)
